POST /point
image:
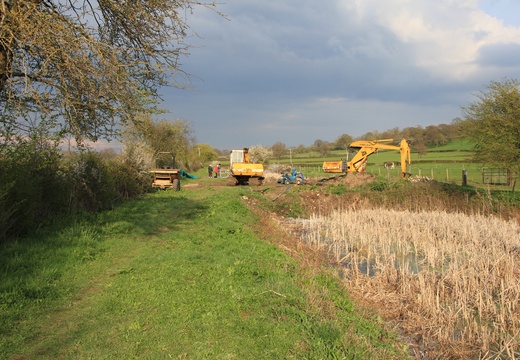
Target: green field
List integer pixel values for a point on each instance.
(443, 163)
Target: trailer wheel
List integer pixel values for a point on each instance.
(176, 185)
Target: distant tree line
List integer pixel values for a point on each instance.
(421, 138)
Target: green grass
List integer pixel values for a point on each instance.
(456, 145)
(175, 275)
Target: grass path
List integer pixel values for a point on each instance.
(175, 275)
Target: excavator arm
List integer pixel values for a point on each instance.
(367, 148)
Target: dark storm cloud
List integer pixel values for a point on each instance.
(299, 70)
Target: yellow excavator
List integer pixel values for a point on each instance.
(241, 169)
(365, 149)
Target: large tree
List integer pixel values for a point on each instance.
(493, 124)
(279, 149)
(342, 142)
(88, 64)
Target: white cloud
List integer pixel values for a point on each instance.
(443, 37)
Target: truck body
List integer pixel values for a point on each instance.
(335, 166)
(242, 170)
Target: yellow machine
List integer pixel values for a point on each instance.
(242, 170)
(365, 149)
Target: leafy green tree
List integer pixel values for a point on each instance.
(322, 147)
(149, 138)
(371, 135)
(201, 154)
(393, 133)
(175, 137)
(279, 149)
(301, 149)
(89, 65)
(420, 149)
(493, 124)
(434, 137)
(342, 142)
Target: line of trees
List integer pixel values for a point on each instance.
(421, 138)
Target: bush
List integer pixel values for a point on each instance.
(32, 187)
(128, 182)
(37, 184)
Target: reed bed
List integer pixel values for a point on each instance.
(449, 280)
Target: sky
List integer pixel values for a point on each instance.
(297, 71)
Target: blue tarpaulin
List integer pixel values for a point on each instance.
(184, 174)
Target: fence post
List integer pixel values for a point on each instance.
(464, 178)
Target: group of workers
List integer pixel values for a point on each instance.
(214, 172)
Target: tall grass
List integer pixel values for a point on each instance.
(450, 279)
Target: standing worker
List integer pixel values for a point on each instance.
(210, 170)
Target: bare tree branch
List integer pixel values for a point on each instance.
(92, 64)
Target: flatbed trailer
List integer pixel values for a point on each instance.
(166, 179)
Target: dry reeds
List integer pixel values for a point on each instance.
(449, 279)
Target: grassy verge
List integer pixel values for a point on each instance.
(175, 275)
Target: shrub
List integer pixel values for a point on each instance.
(128, 182)
(93, 186)
(32, 187)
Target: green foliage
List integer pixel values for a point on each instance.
(33, 187)
(493, 124)
(153, 137)
(342, 142)
(379, 184)
(37, 184)
(279, 150)
(127, 180)
(201, 154)
(97, 80)
(338, 189)
(92, 185)
(171, 136)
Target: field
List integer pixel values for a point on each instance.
(360, 266)
(443, 163)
